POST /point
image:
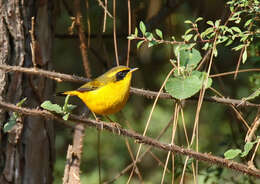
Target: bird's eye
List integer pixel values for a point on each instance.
(120, 75)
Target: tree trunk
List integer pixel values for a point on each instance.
(27, 150)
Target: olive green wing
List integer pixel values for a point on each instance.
(90, 86)
(97, 83)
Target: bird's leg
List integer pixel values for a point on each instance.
(115, 124)
(97, 119)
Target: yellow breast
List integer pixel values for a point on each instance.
(108, 99)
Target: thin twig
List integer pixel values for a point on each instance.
(129, 32)
(174, 126)
(105, 14)
(255, 125)
(67, 166)
(132, 158)
(114, 32)
(233, 72)
(195, 132)
(105, 8)
(205, 157)
(160, 163)
(33, 43)
(82, 38)
(239, 115)
(239, 61)
(88, 23)
(251, 162)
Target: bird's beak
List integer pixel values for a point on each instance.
(133, 69)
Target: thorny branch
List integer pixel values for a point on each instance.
(146, 93)
(205, 157)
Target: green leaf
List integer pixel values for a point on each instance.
(159, 33)
(66, 101)
(209, 22)
(188, 22)
(222, 39)
(198, 19)
(239, 47)
(248, 22)
(182, 88)
(223, 28)
(207, 31)
(190, 46)
(188, 30)
(244, 37)
(12, 120)
(187, 37)
(230, 31)
(254, 94)
(19, 104)
(189, 57)
(238, 21)
(217, 23)
(236, 29)
(142, 27)
(136, 32)
(68, 107)
(51, 107)
(202, 76)
(149, 36)
(195, 37)
(66, 116)
(131, 37)
(140, 43)
(244, 56)
(248, 146)
(232, 153)
(206, 46)
(229, 42)
(152, 43)
(10, 124)
(173, 38)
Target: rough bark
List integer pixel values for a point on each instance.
(27, 150)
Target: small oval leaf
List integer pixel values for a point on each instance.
(232, 153)
(159, 33)
(248, 146)
(142, 27)
(51, 107)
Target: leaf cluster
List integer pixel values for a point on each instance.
(9, 125)
(64, 111)
(232, 153)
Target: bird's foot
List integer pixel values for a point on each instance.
(117, 126)
(101, 127)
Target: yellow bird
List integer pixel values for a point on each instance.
(108, 93)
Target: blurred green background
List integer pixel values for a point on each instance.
(219, 128)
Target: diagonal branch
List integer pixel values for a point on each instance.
(205, 157)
